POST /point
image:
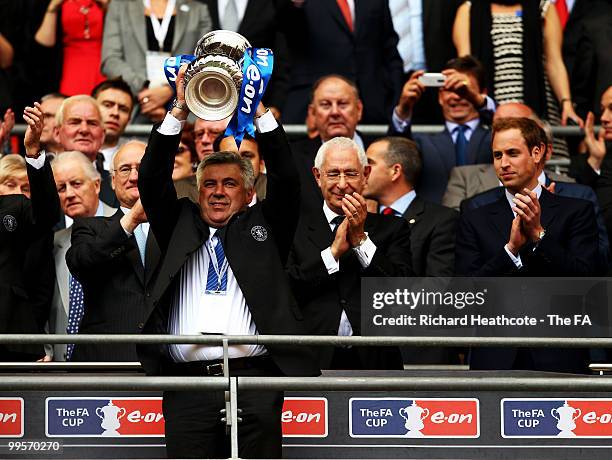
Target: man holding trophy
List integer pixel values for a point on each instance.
(223, 263)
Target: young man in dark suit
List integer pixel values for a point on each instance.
(464, 141)
(527, 232)
(223, 273)
(115, 260)
(338, 244)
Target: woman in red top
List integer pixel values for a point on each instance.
(81, 23)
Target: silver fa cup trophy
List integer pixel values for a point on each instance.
(213, 80)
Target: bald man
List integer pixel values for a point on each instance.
(115, 260)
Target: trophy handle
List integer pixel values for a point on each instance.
(121, 413)
(552, 412)
(578, 414)
(402, 413)
(98, 409)
(426, 412)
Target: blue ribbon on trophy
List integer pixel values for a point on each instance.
(257, 68)
(172, 66)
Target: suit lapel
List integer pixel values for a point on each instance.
(548, 203)
(474, 144)
(137, 18)
(414, 211)
(251, 11)
(501, 216)
(152, 255)
(319, 231)
(61, 269)
(180, 24)
(445, 148)
(335, 12)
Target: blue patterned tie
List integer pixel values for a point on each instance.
(76, 310)
(461, 145)
(212, 280)
(141, 241)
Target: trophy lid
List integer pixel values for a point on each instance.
(222, 42)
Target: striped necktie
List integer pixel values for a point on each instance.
(212, 280)
(76, 310)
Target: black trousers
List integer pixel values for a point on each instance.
(194, 428)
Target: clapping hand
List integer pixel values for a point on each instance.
(595, 145)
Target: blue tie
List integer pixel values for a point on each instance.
(461, 145)
(76, 310)
(212, 280)
(141, 241)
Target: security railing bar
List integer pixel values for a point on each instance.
(373, 130)
(486, 382)
(318, 340)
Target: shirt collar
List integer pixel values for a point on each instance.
(401, 204)
(329, 214)
(473, 124)
(510, 196)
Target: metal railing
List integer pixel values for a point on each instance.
(481, 381)
(373, 130)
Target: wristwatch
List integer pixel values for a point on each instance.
(182, 106)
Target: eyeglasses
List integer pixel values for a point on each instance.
(125, 170)
(206, 132)
(349, 176)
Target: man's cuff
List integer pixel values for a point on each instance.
(170, 126)
(37, 163)
(332, 265)
(489, 105)
(266, 122)
(365, 252)
(515, 259)
(399, 124)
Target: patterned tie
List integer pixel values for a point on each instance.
(141, 241)
(212, 280)
(346, 12)
(76, 310)
(461, 145)
(388, 212)
(230, 16)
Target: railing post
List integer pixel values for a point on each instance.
(234, 417)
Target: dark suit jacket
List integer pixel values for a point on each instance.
(322, 296)
(569, 248)
(23, 222)
(321, 43)
(586, 49)
(438, 154)
(261, 26)
(116, 287)
(257, 265)
(432, 238)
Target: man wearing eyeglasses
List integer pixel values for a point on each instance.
(115, 259)
(335, 246)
